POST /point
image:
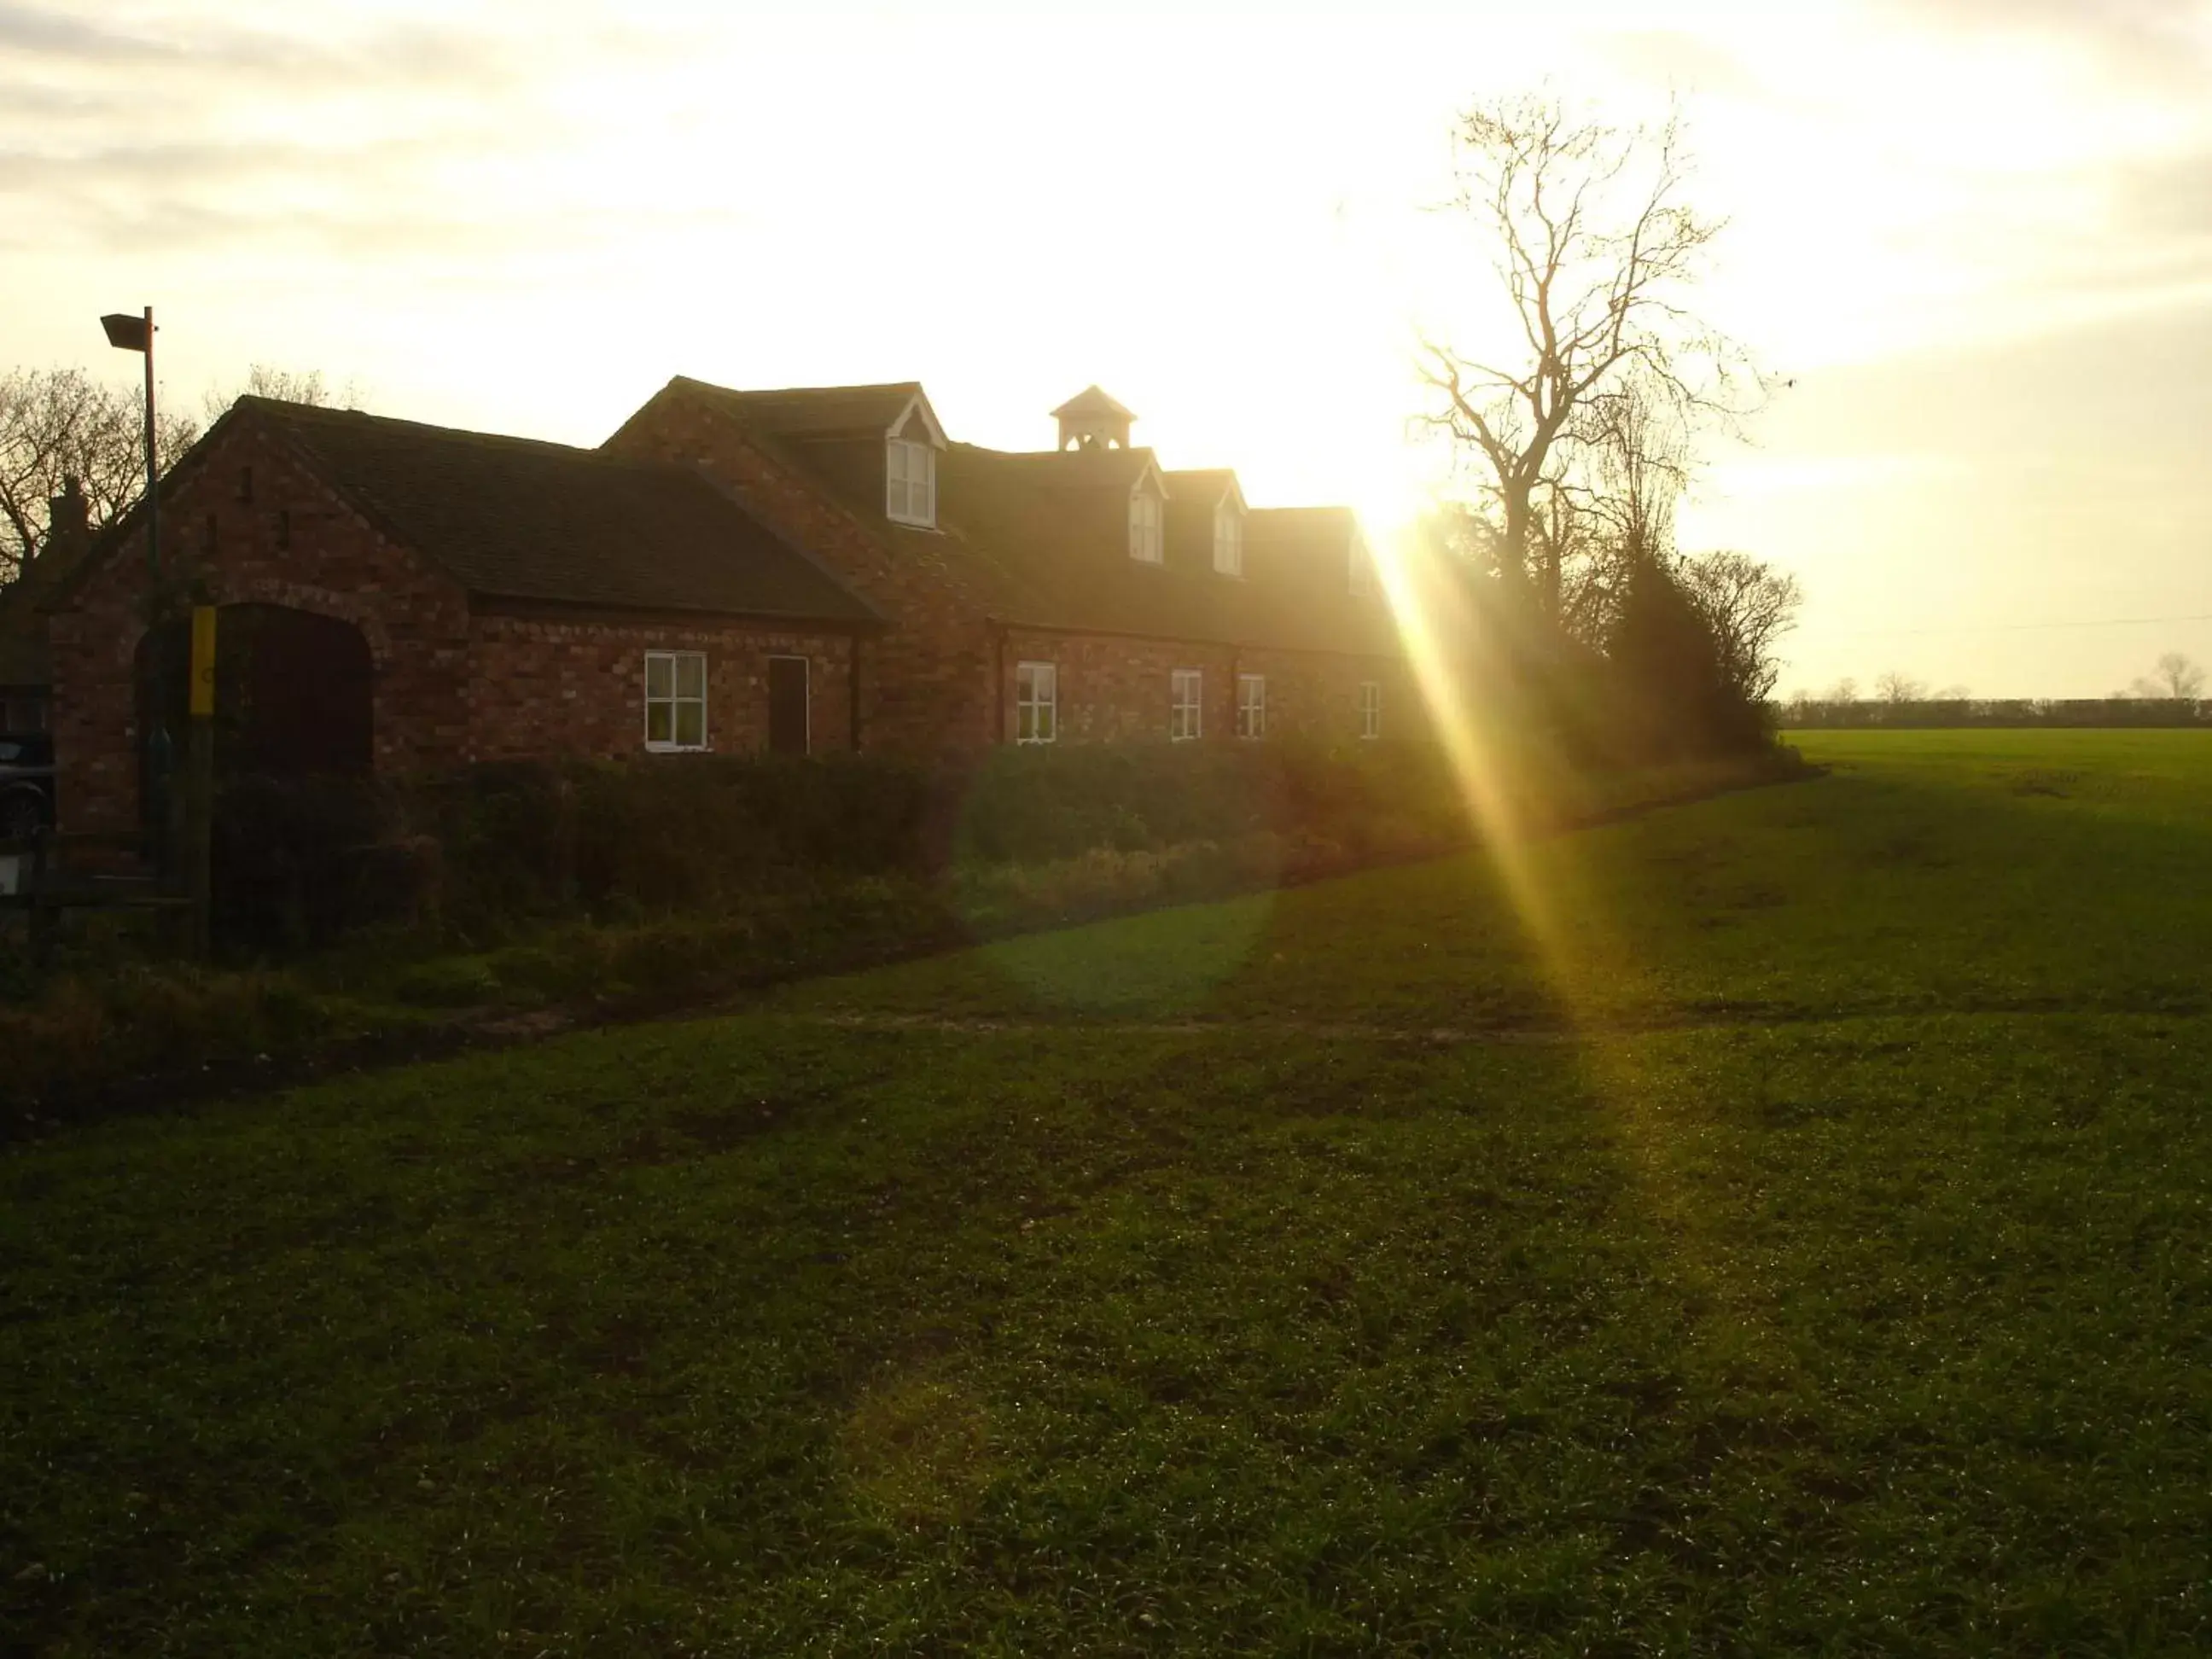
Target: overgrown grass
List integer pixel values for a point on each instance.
(1798, 1245)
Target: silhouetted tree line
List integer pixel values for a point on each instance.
(1811, 713)
(2171, 694)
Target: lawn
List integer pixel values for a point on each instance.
(1798, 1242)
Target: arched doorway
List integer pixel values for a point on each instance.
(295, 697)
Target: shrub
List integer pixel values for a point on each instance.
(1669, 680)
(486, 849)
(446, 982)
(1030, 805)
(296, 862)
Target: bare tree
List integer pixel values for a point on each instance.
(1843, 692)
(286, 385)
(58, 424)
(1593, 247)
(1749, 606)
(1633, 463)
(1895, 688)
(2175, 677)
(1573, 554)
(1638, 465)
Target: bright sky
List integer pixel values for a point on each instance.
(1977, 233)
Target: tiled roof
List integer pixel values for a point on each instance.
(1065, 560)
(1059, 471)
(1041, 538)
(1204, 484)
(1192, 494)
(813, 412)
(1307, 545)
(517, 519)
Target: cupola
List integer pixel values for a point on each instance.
(1091, 420)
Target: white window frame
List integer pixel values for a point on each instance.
(910, 497)
(1371, 709)
(1186, 704)
(1037, 702)
(1148, 516)
(1228, 540)
(1252, 706)
(675, 701)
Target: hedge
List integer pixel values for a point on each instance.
(301, 862)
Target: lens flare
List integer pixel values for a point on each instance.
(1446, 643)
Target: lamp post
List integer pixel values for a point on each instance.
(128, 333)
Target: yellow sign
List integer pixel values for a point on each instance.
(202, 660)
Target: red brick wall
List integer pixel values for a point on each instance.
(448, 686)
(925, 685)
(334, 562)
(1113, 690)
(1312, 694)
(578, 687)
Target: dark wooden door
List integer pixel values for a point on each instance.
(787, 705)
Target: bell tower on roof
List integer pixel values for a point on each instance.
(1091, 420)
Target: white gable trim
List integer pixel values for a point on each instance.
(1159, 484)
(920, 402)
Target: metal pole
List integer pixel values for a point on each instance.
(159, 746)
(153, 465)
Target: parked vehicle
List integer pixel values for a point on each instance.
(26, 785)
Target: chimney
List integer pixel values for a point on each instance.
(68, 520)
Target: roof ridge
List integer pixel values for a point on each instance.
(322, 413)
(792, 391)
(1049, 454)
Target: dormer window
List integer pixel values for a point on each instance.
(1228, 540)
(910, 496)
(1360, 572)
(1145, 520)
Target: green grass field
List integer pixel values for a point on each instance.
(1805, 1247)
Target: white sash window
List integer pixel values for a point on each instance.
(1037, 702)
(911, 495)
(1251, 705)
(1186, 704)
(1145, 527)
(1228, 539)
(674, 700)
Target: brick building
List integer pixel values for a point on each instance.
(1082, 592)
(802, 570)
